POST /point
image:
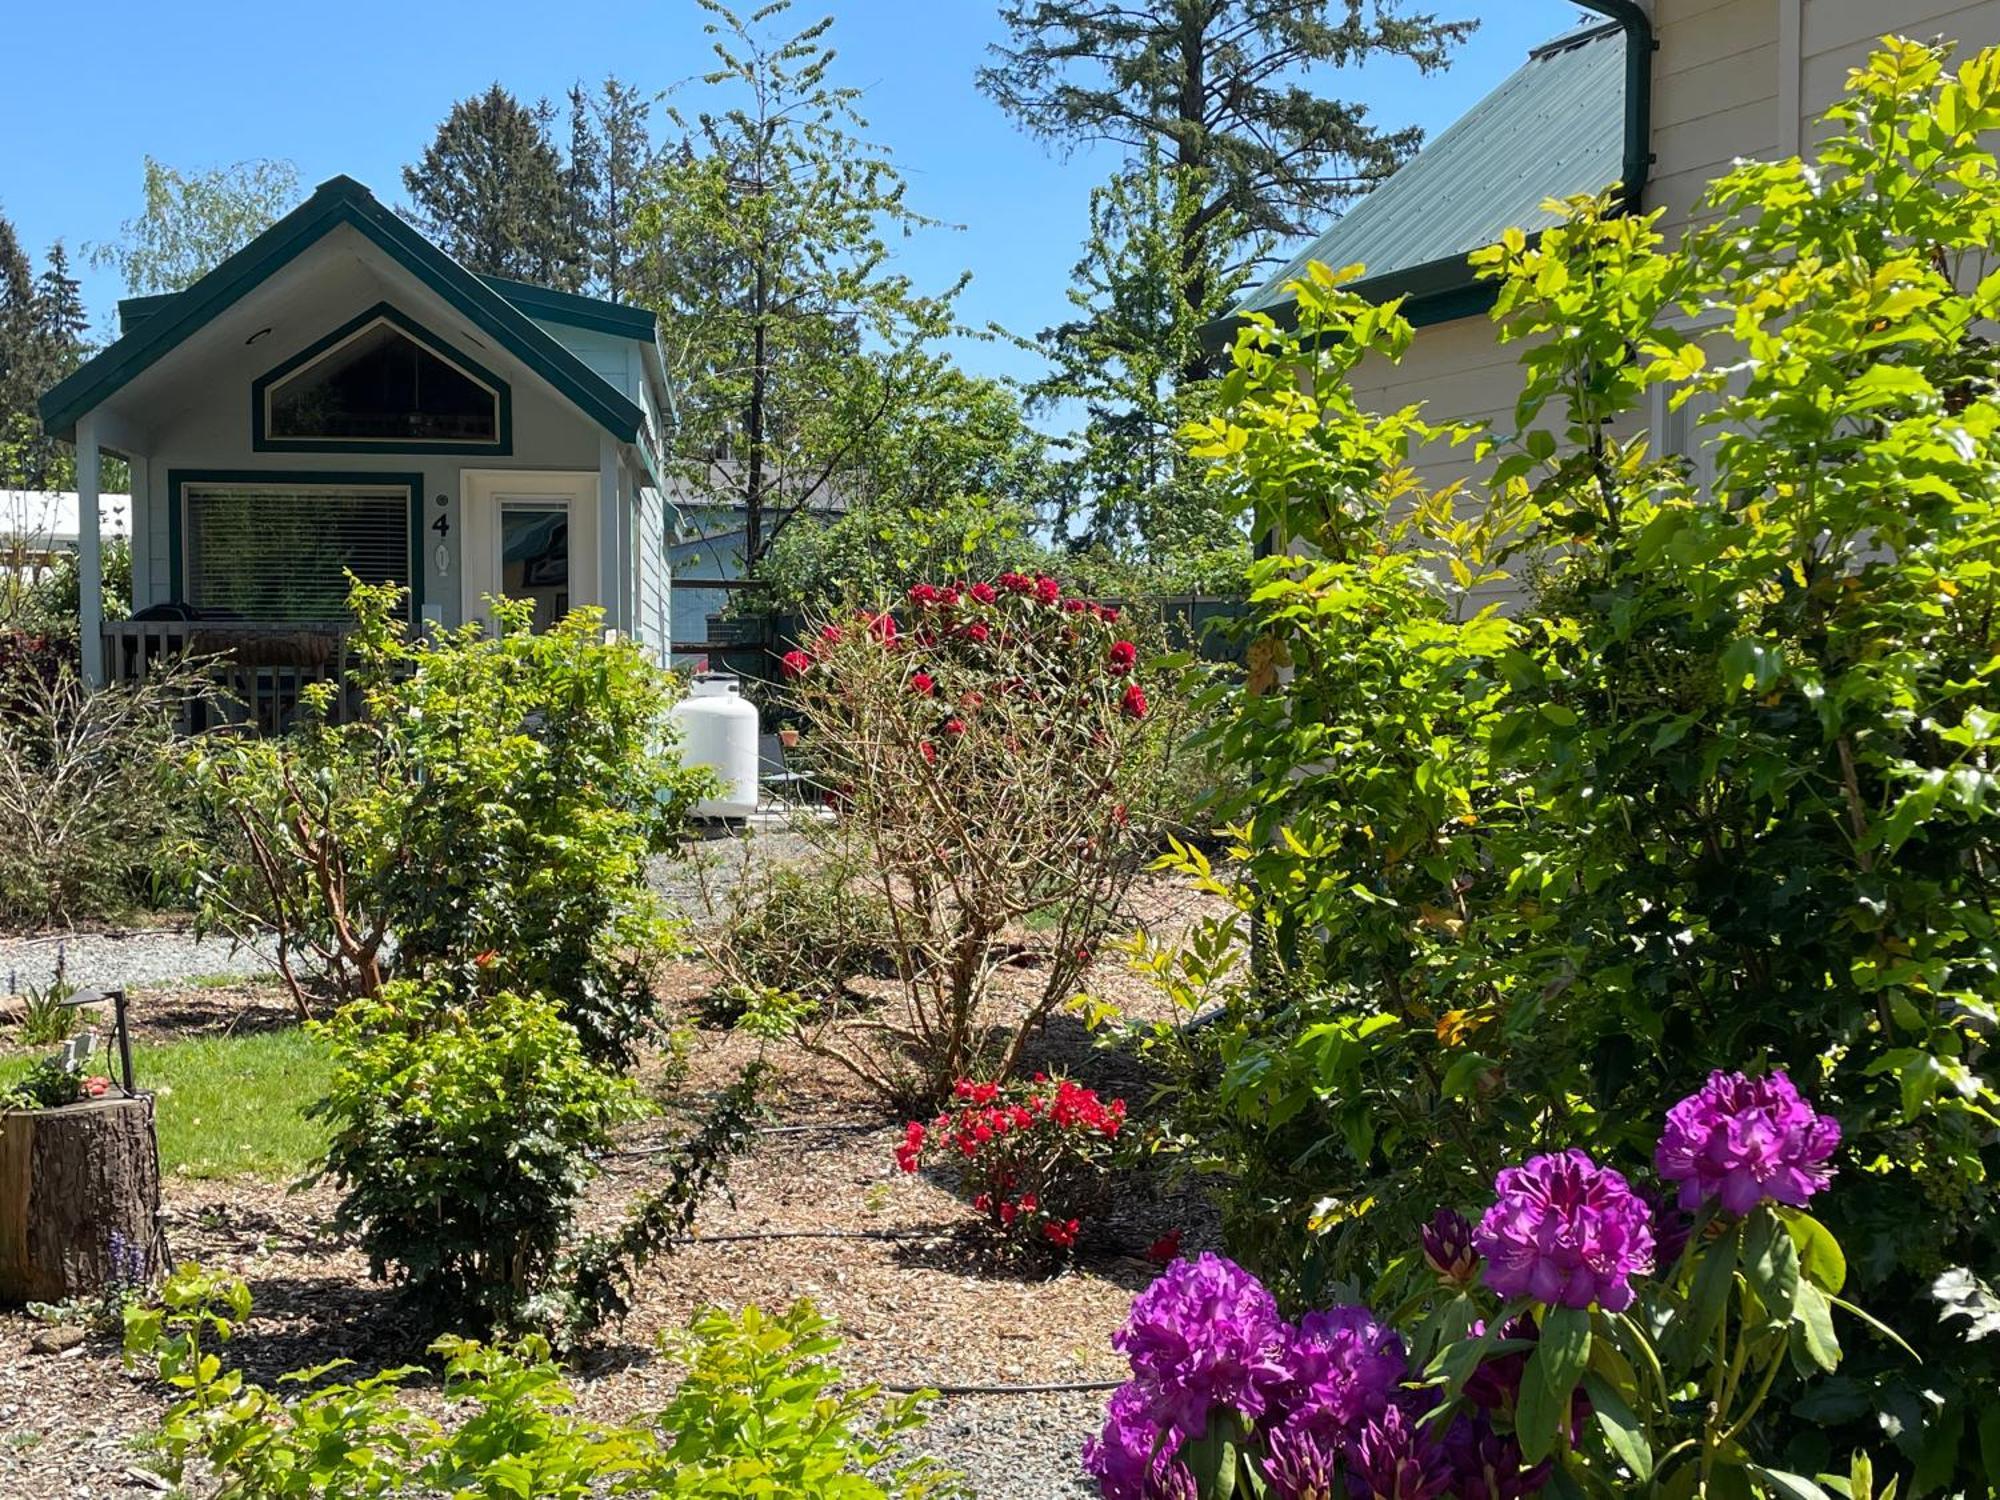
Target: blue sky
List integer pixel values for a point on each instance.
(359, 87)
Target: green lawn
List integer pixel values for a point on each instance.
(230, 1106)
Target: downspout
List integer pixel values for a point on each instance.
(1640, 45)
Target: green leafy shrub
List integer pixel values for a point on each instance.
(486, 817)
(1723, 789)
(761, 1411)
(461, 1135)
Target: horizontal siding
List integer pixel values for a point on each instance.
(1693, 41)
(1835, 25)
(1698, 93)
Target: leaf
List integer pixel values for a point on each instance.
(1696, 1322)
(1622, 1428)
(1820, 1256)
(1550, 1380)
(1771, 1264)
(1792, 1486)
(1965, 1296)
(1812, 1328)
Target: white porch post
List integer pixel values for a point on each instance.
(89, 553)
(610, 565)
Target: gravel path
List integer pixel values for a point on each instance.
(131, 960)
(1016, 1447)
(147, 958)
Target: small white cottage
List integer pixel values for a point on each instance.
(342, 395)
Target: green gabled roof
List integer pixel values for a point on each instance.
(158, 325)
(543, 304)
(1557, 126)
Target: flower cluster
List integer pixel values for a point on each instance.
(1328, 1405)
(1743, 1140)
(1324, 1401)
(1567, 1232)
(1031, 1156)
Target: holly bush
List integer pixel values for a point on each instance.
(1721, 787)
(992, 759)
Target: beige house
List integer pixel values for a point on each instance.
(1661, 95)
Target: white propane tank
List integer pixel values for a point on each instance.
(719, 730)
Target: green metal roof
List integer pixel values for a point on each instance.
(543, 304)
(1556, 127)
(163, 326)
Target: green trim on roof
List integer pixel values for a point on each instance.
(382, 312)
(547, 305)
(339, 201)
(132, 311)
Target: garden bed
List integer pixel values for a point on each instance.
(818, 1210)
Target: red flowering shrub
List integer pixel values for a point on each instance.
(992, 754)
(1030, 1156)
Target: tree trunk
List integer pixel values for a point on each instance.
(79, 1199)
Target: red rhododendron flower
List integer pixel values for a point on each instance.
(954, 727)
(976, 631)
(929, 752)
(922, 684)
(1062, 1235)
(796, 662)
(1009, 1212)
(1107, 614)
(97, 1085)
(1122, 657)
(1075, 606)
(830, 634)
(1134, 701)
(1119, 815)
(1017, 583)
(883, 628)
(985, 593)
(912, 1147)
(1166, 1249)
(923, 593)
(1047, 590)
(948, 595)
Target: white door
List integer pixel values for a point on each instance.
(532, 536)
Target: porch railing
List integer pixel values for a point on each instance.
(259, 667)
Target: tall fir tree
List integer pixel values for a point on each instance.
(625, 153)
(1223, 88)
(491, 190)
(42, 339)
(766, 247)
(1124, 358)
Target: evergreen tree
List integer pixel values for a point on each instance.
(583, 187)
(766, 254)
(42, 339)
(1224, 88)
(490, 190)
(626, 157)
(1141, 300)
(193, 221)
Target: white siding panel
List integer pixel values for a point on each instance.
(1697, 93)
(1835, 25)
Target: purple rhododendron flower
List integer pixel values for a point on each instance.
(1447, 1241)
(1496, 1384)
(1128, 1459)
(1742, 1140)
(1486, 1465)
(1205, 1336)
(1396, 1458)
(1565, 1231)
(1301, 1463)
(1345, 1365)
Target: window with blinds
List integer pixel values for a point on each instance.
(283, 552)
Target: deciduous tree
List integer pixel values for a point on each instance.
(193, 221)
(766, 242)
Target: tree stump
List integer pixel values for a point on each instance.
(79, 1199)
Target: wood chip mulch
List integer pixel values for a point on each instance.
(919, 1297)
